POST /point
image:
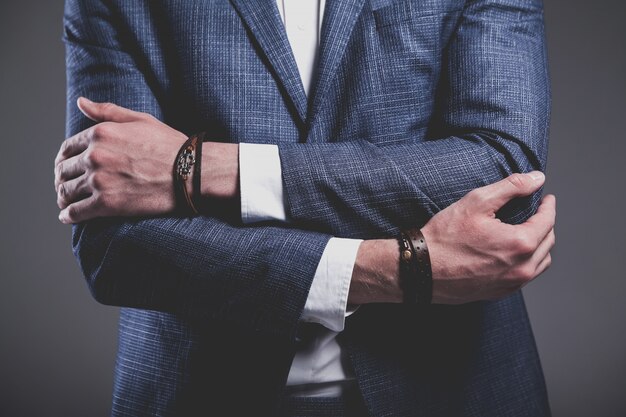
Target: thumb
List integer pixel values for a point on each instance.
(499, 193)
(106, 112)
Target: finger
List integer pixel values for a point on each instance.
(72, 191)
(73, 146)
(107, 112)
(68, 169)
(539, 269)
(546, 211)
(492, 197)
(80, 211)
(542, 222)
(543, 249)
(543, 265)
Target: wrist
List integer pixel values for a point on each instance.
(375, 277)
(220, 170)
(438, 267)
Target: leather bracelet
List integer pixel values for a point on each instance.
(196, 197)
(408, 270)
(183, 165)
(422, 263)
(417, 282)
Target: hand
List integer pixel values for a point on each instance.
(122, 166)
(475, 256)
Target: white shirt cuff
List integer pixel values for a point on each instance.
(260, 183)
(328, 296)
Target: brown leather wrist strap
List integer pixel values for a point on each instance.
(183, 165)
(417, 282)
(407, 270)
(196, 197)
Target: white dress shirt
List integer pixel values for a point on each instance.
(317, 369)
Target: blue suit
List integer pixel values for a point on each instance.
(416, 103)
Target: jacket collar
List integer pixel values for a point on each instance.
(340, 16)
(263, 20)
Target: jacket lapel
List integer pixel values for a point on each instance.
(265, 24)
(340, 16)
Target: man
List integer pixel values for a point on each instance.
(381, 118)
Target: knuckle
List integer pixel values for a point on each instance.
(64, 197)
(95, 181)
(89, 156)
(72, 213)
(97, 132)
(107, 106)
(101, 131)
(62, 191)
(523, 245)
(58, 171)
(61, 203)
(63, 194)
(524, 274)
(94, 156)
(62, 150)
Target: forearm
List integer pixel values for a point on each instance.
(395, 186)
(256, 278)
(473, 256)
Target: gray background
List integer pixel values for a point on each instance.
(57, 346)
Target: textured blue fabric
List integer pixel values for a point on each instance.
(416, 103)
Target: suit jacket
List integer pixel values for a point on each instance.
(416, 102)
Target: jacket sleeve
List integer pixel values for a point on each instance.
(491, 120)
(257, 278)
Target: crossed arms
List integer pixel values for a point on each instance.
(258, 277)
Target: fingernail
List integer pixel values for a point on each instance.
(536, 175)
